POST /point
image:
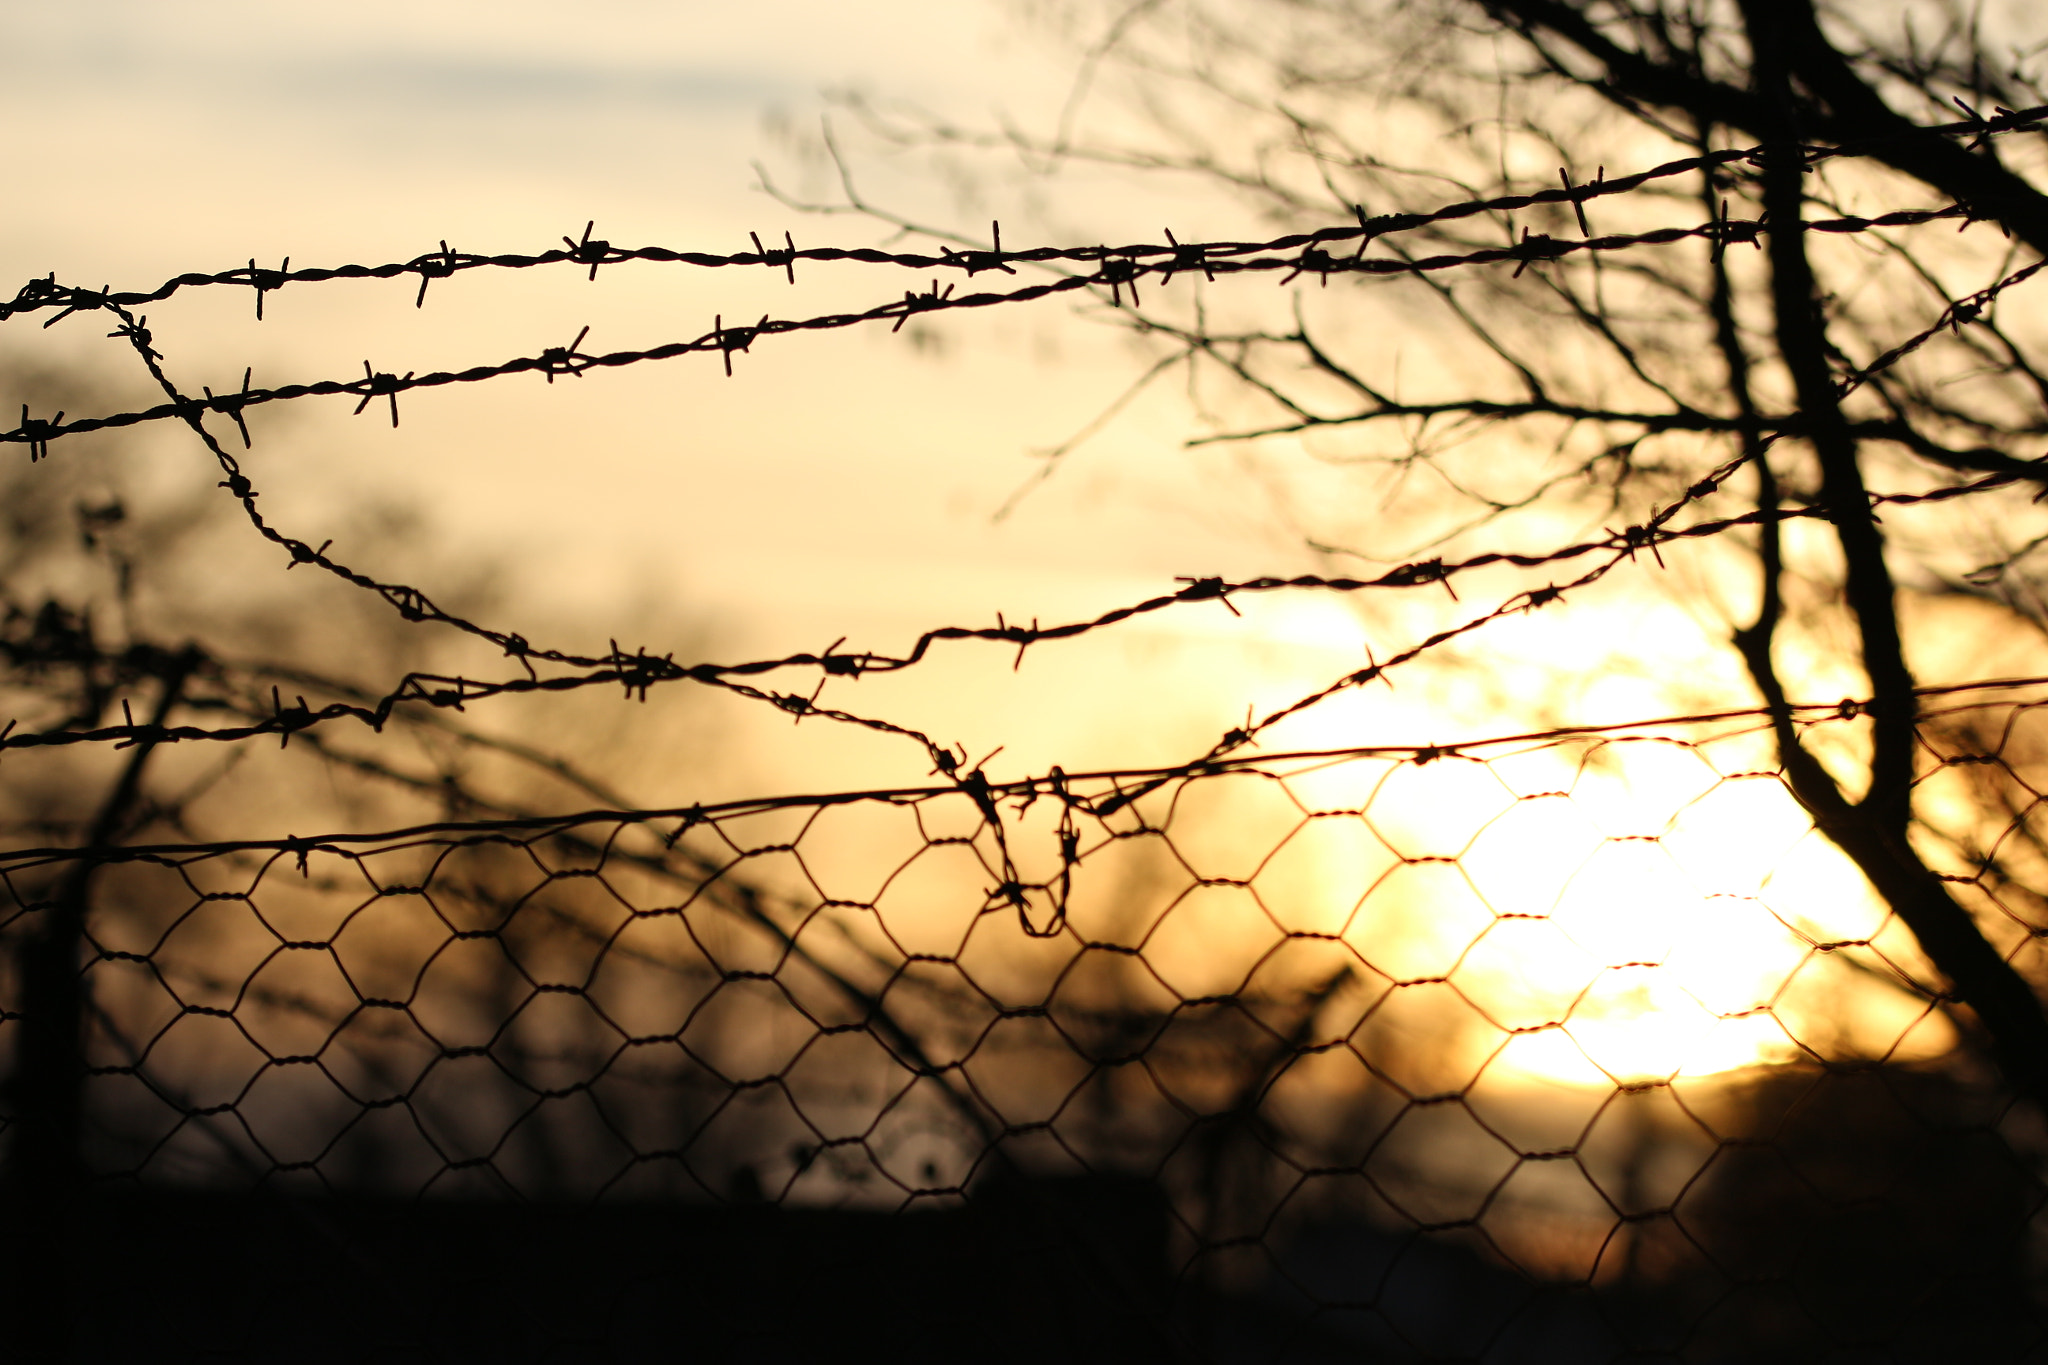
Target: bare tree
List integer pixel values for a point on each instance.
(1760, 343)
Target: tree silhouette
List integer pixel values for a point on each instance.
(1777, 365)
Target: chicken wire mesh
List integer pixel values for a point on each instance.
(1558, 1048)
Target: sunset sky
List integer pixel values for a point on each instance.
(838, 485)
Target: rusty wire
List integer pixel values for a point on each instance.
(1119, 268)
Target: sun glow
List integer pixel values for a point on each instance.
(1623, 911)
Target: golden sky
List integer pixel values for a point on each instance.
(838, 485)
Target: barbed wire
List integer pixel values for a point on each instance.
(1116, 269)
(640, 671)
(1057, 784)
(44, 294)
(1121, 270)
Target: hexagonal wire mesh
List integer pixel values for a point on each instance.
(1556, 1048)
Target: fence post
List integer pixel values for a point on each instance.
(46, 1169)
